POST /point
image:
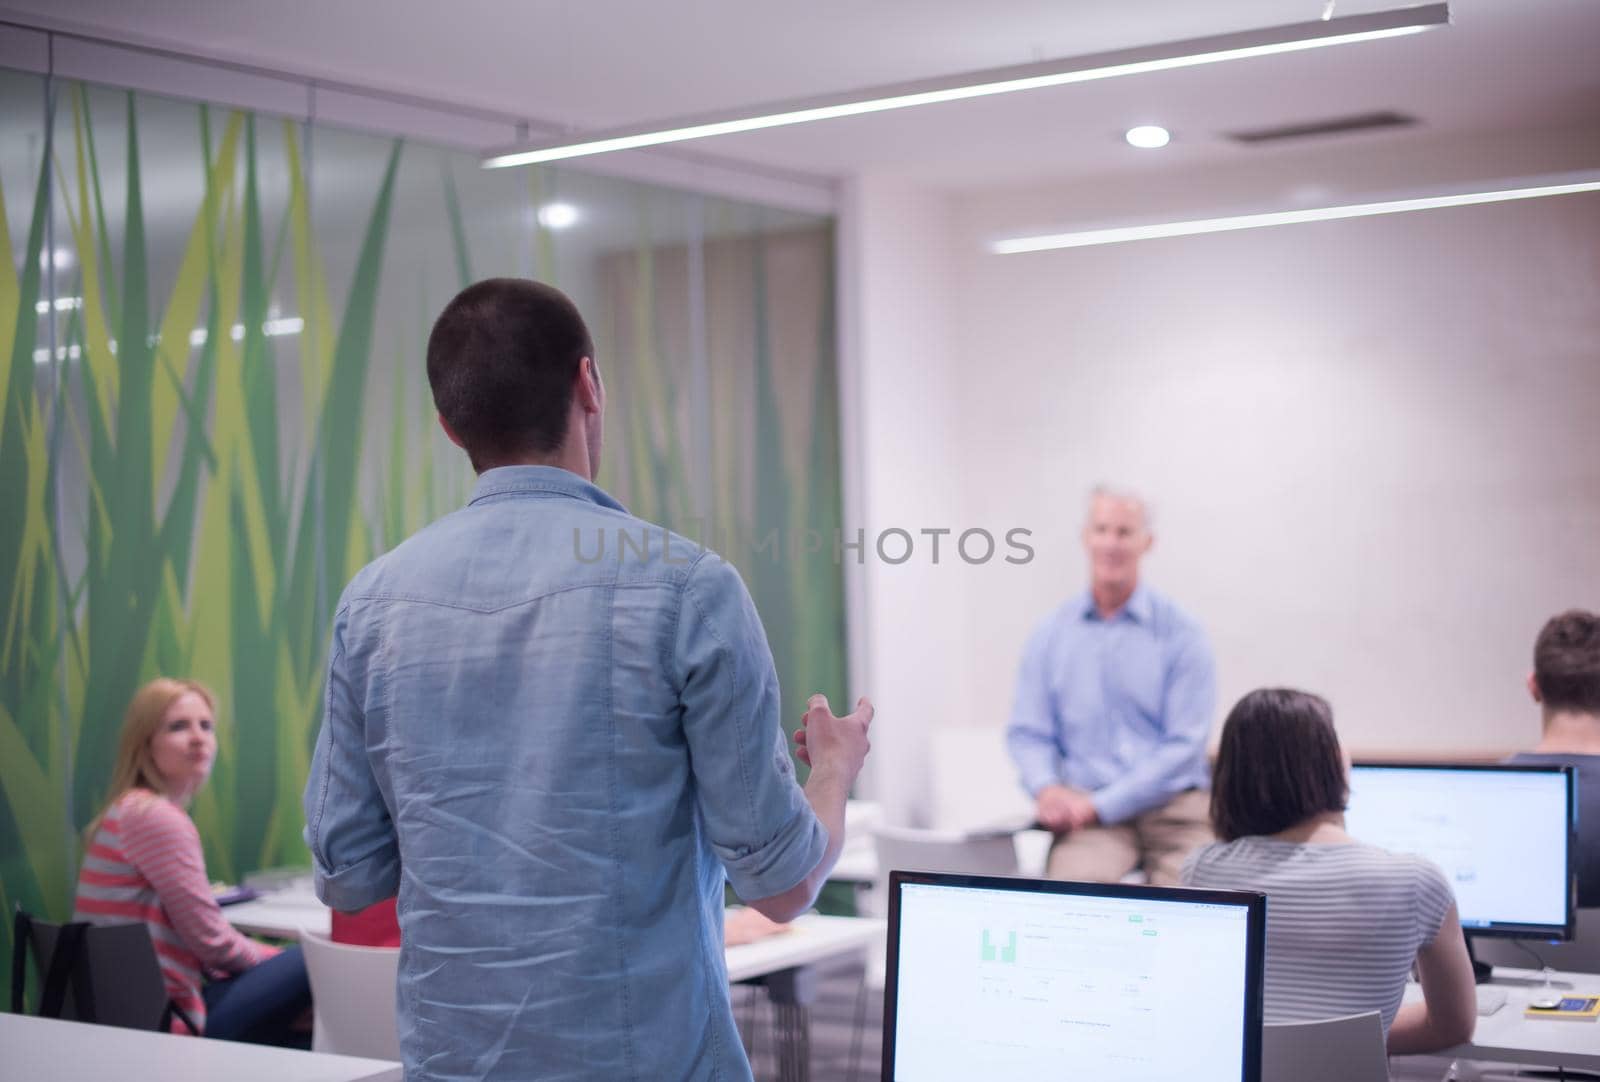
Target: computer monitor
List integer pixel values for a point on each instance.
(1505, 837)
(996, 977)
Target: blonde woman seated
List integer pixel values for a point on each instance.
(145, 864)
(1345, 920)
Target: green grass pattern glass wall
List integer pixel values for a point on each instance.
(213, 410)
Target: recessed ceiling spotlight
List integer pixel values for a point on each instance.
(1148, 137)
(557, 215)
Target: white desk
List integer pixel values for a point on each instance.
(286, 914)
(282, 914)
(1509, 1036)
(48, 1049)
(812, 939)
(782, 962)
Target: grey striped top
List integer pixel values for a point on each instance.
(1344, 921)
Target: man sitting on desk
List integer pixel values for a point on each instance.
(1565, 682)
(1113, 708)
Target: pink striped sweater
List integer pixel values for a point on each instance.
(145, 864)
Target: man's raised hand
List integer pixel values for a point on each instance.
(833, 744)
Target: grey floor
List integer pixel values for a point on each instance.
(846, 1027)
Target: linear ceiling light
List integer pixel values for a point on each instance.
(977, 84)
(1590, 182)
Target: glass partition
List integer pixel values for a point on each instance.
(212, 336)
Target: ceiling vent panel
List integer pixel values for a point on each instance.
(1340, 125)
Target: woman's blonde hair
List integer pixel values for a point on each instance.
(135, 767)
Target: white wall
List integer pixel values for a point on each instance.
(898, 394)
(1373, 447)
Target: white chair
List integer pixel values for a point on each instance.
(912, 849)
(1346, 1049)
(971, 778)
(352, 991)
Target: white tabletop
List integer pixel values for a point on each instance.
(811, 939)
(46, 1049)
(282, 914)
(287, 913)
(1509, 1036)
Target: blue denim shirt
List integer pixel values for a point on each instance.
(1120, 708)
(554, 751)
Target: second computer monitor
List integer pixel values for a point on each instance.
(1502, 835)
(993, 977)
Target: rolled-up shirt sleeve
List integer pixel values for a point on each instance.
(756, 817)
(355, 855)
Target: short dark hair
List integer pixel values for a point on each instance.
(1566, 662)
(501, 361)
(1279, 764)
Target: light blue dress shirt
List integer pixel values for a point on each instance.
(1120, 708)
(555, 756)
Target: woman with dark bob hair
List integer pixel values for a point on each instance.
(1345, 920)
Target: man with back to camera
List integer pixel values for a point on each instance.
(555, 761)
(1113, 708)
(1565, 682)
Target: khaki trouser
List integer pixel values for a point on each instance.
(1158, 841)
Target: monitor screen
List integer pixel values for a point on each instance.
(1502, 835)
(1017, 978)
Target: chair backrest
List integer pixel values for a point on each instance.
(1581, 954)
(1346, 1049)
(103, 973)
(972, 779)
(352, 992)
(913, 850)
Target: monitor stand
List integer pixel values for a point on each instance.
(1481, 971)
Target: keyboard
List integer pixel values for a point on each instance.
(1490, 999)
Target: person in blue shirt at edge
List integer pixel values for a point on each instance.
(1113, 707)
(1565, 682)
(557, 760)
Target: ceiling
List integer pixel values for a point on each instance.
(1504, 65)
